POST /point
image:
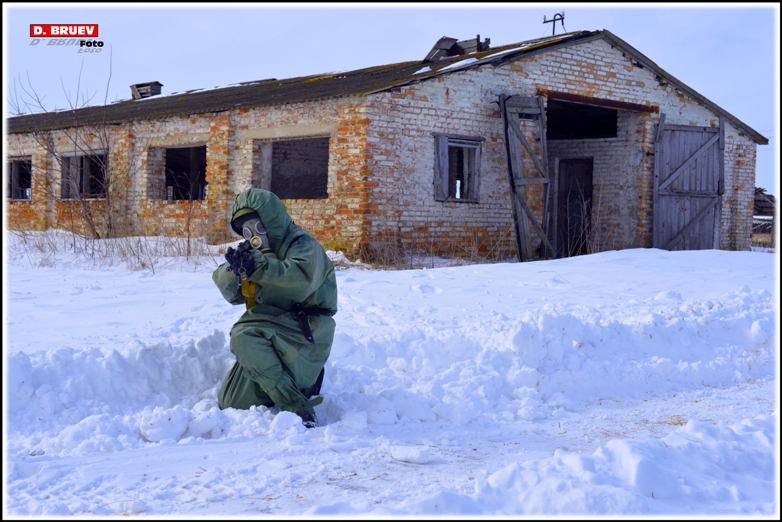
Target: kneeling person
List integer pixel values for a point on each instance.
(286, 280)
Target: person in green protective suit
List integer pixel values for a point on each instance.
(287, 282)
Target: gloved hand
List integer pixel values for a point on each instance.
(239, 259)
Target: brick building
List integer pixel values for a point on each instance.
(562, 145)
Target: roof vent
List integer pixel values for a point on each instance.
(145, 90)
(447, 47)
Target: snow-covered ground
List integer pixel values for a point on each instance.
(636, 382)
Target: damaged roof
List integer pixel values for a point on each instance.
(765, 204)
(317, 87)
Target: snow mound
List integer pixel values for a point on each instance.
(83, 401)
(502, 369)
(536, 365)
(612, 384)
(690, 467)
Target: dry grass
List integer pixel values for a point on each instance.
(55, 248)
(763, 240)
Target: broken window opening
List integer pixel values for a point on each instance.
(461, 169)
(20, 178)
(185, 170)
(457, 168)
(84, 175)
(577, 121)
(299, 168)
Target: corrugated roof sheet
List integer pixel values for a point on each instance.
(323, 86)
(765, 204)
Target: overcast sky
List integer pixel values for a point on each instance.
(730, 54)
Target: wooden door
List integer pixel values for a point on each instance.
(688, 186)
(533, 107)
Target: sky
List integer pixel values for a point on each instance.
(727, 52)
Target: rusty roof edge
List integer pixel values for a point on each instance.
(646, 62)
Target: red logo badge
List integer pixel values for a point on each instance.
(63, 30)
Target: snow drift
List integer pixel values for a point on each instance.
(448, 357)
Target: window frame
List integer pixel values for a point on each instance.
(75, 191)
(442, 171)
(14, 168)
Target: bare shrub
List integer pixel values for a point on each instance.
(39, 249)
(341, 261)
(54, 248)
(589, 234)
(90, 188)
(385, 249)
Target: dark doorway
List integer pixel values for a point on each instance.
(574, 207)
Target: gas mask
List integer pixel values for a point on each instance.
(252, 230)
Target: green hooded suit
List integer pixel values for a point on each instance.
(275, 364)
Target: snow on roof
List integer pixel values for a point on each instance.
(462, 63)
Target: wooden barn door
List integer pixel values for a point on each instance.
(512, 108)
(688, 186)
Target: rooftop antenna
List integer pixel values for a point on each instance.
(558, 17)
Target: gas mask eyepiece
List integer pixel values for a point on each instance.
(252, 230)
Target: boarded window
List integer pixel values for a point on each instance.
(20, 178)
(83, 175)
(457, 168)
(299, 168)
(185, 170)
